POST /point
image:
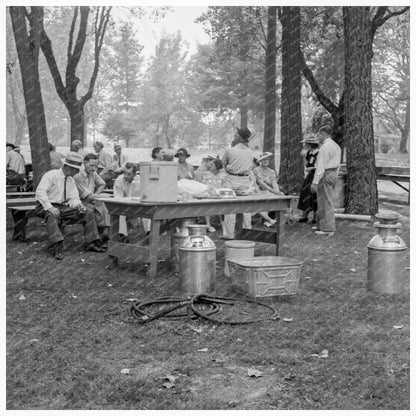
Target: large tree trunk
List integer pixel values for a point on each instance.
(361, 179)
(76, 114)
(406, 129)
(291, 164)
(244, 112)
(27, 46)
(269, 141)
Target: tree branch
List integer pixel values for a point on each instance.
(322, 98)
(71, 35)
(99, 38)
(382, 15)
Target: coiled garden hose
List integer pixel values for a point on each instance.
(141, 310)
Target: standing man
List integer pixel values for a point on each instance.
(105, 164)
(326, 174)
(15, 166)
(122, 189)
(119, 159)
(238, 164)
(58, 199)
(90, 185)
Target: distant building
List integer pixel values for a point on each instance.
(385, 139)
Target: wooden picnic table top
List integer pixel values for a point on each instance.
(19, 202)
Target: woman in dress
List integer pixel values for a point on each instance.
(266, 179)
(307, 200)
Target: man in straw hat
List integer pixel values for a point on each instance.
(325, 180)
(58, 199)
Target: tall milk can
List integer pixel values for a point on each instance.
(386, 256)
(177, 239)
(197, 262)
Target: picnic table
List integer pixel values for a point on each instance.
(159, 212)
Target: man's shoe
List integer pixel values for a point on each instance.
(328, 233)
(302, 220)
(124, 239)
(56, 250)
(315, 228)
(94, 248)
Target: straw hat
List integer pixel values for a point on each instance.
(264, 155)
(74, 160)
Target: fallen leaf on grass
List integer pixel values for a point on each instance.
(288, 319)
(83, 260)
(322, 354)
(252, 372)
(398, 326)
(203, 350)
(34, 340)
(22, 297)
(315, 259)
(239, 340)
(109, 285)
(198, 330)
(125, 371)
(132, 299)
(171, 381)
(353, 270)
(307, 277)
(74, 296)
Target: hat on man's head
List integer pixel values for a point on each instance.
(310, 140)
(182, 151)
(74, 160)
(264, 155)
(17, 147)
(244, 133)
(11, 145)
(117, 146)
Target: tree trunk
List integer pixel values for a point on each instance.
(244, 112)
(76, 115)
(269, 141)
(27, 46)
(291, 164)
(406, 129)
(361, 179)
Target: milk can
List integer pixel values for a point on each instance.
(386, 256)
(197, 262)
(177, 239)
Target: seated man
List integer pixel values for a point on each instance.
(90, 185)
(58, 199)
(122, 189)
(15, 166)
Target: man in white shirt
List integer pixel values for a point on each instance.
(90, 185)
(15, 166)
(122, 189)
(76, 146)
(238, 164)
(325, 179)
(119, 159)
(58, 199)
(105, 164)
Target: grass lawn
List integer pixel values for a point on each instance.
(70, 334)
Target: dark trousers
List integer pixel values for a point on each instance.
(54, 226)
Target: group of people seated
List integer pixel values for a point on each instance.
(70, 190)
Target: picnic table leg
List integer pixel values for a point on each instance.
(153, 247)
(280, 223)
(114, 226)
(238, 231)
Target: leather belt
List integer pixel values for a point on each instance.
(238, 174)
